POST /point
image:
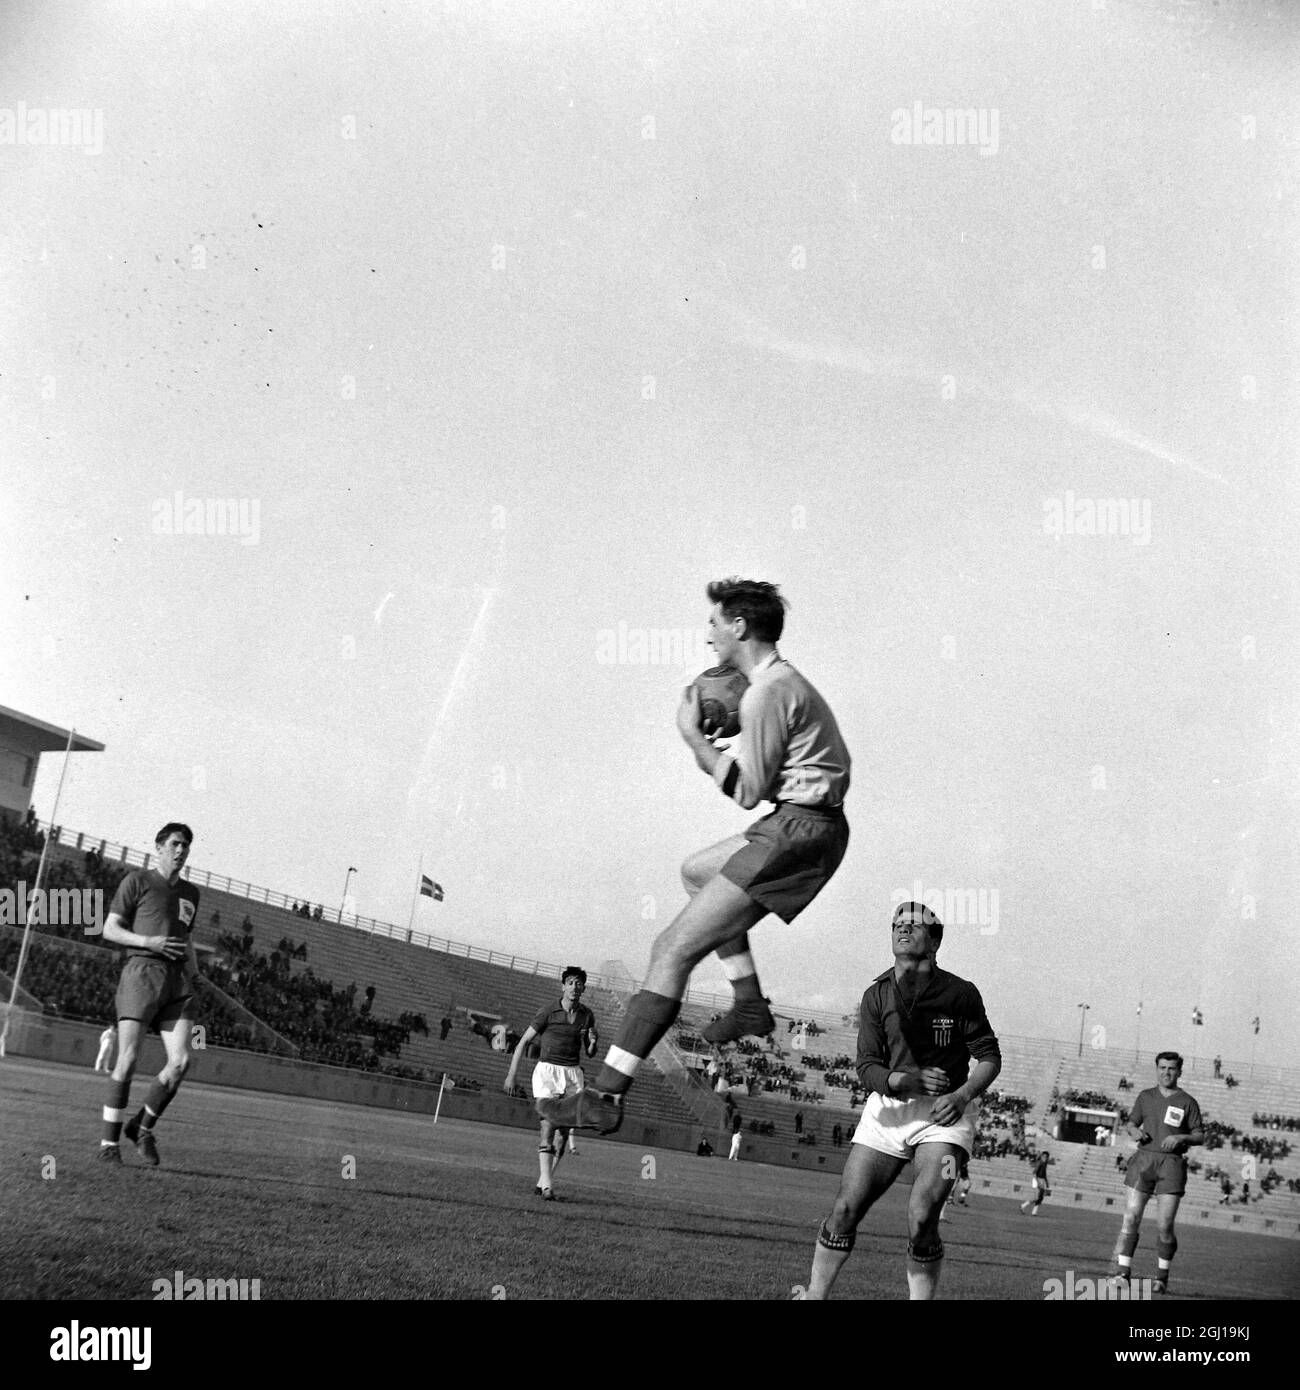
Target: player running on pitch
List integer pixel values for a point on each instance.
(566, 1031)
(1166, 1122)
(919, 1028)
(1042, 1187)
(152, 915)
(789, 751)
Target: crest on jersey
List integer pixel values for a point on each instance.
(1174, 1116)
(942, 1031)
(185, 910)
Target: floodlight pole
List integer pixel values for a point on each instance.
(1083, 1014)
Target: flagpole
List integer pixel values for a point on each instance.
(419, 879)
(1137, 1046)
(35, 895)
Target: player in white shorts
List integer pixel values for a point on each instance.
(567, 1031)
(919, 1029)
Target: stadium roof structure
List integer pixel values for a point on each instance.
(22, 741)
(39, 737)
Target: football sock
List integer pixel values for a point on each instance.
(1128, 1243)
(924, 1264)
(649, 1017)
(738, 966)
(544, 1155)
(1165, 1250)
(829, 1255)
(158, 1099)
(119, 1093)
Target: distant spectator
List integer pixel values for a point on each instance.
(1218, 1067)
(443, 1029)
(798, 1121)
(316, 916)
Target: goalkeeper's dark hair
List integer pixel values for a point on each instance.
(573, 972)
(174, 827)
(1176, 1057)
(759, 603)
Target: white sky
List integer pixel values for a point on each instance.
(1108, 296)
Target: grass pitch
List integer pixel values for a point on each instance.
(256, 1186)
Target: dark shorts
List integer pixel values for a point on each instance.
(790, 857)
(1152, 1171)
(153, 991)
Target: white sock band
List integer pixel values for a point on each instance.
(621, 1061)
(739, 966)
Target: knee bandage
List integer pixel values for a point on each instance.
(545, 1149)
(925, 1254)
(831, 1241)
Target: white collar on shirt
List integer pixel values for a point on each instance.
(766, 662)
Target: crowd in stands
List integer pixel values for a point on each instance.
(810, 1029)
(1275, 1121)
(326, 1024)
(1270, 1182)
(1089, 1100)
(1268, 1149)
(304, 910)
(82, 985)
(1001, 1129)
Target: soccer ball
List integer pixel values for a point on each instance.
(720, 690)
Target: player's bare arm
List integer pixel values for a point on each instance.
(690, 720)
(1180, 1143)
(170, 947)
(508, 1084)
(948, 1109)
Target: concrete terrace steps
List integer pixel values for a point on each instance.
(410, 978)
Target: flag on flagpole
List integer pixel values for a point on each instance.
(430, 889)
(1139, 1008)
(1198, 1018)
(1256, 1021)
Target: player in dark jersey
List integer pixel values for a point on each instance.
(919, 1028)
(567, 1031)
(152, 914)
(1042, 1188)
(1166, 1122)
(790, 752)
